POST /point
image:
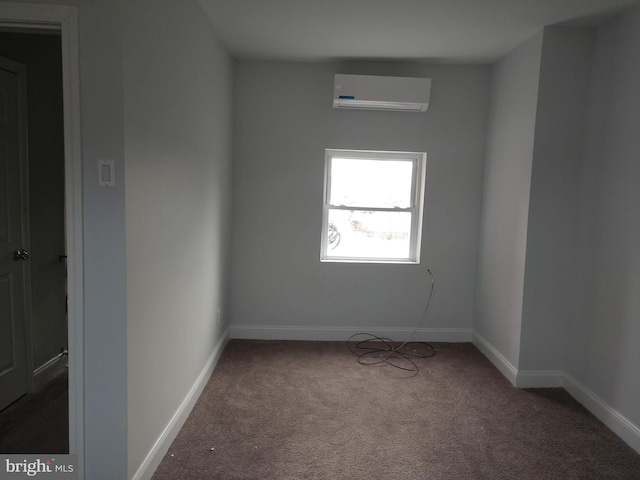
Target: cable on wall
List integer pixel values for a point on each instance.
(373, 350)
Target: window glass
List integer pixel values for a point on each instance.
(373, 206)
(364, 233)
(371, 183)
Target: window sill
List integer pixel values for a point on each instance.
(370, 260)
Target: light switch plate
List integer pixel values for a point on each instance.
(106, 173)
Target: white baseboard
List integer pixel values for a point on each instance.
(613, 419)
(280, 332)
(499, 361)
(539, 378)
(518, 378)
(46, 371)
(624, 428)
(168, 435)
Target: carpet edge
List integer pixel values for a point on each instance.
(618, 423)
(152, 460)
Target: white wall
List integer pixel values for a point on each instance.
(283, 121)
(577, 266)
(177, 78)
(551, 234)
(507, 180)
(198, 138)
(605, 332)
(105, 315)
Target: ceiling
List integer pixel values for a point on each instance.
(458, 31)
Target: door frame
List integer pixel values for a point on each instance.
(64, 18)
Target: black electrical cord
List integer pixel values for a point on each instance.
(373, 350)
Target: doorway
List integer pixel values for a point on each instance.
(40, 18)
(31, 66)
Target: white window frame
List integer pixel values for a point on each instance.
(419, 160)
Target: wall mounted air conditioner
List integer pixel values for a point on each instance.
(368, 92)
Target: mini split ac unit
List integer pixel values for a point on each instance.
(368, 92)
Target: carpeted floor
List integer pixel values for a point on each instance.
(38, 422)
(308, 410)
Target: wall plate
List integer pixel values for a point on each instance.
(106, 173)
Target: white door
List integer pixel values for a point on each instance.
(13, 248)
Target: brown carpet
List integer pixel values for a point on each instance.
(38, 422)
(309, 410)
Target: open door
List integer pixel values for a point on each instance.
(14, 257)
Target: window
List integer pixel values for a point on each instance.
(373, 206)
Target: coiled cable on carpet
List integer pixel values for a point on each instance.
(373, 350)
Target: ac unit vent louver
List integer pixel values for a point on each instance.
(368, 92)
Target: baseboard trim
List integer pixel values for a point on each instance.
(296, 332)
(618, 423)
(168, 435)
(499, 361)
(46, 371)
(539, 379)
(613, 419)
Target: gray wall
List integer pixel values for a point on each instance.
(551, 234)
(102, 87)
(605, 332)
(177, 114)
(580, 306)
(283, 121)
(105, 313)
(507, 180)
(42, 56)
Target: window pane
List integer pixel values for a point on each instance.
(371, 183)
(369, 234)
